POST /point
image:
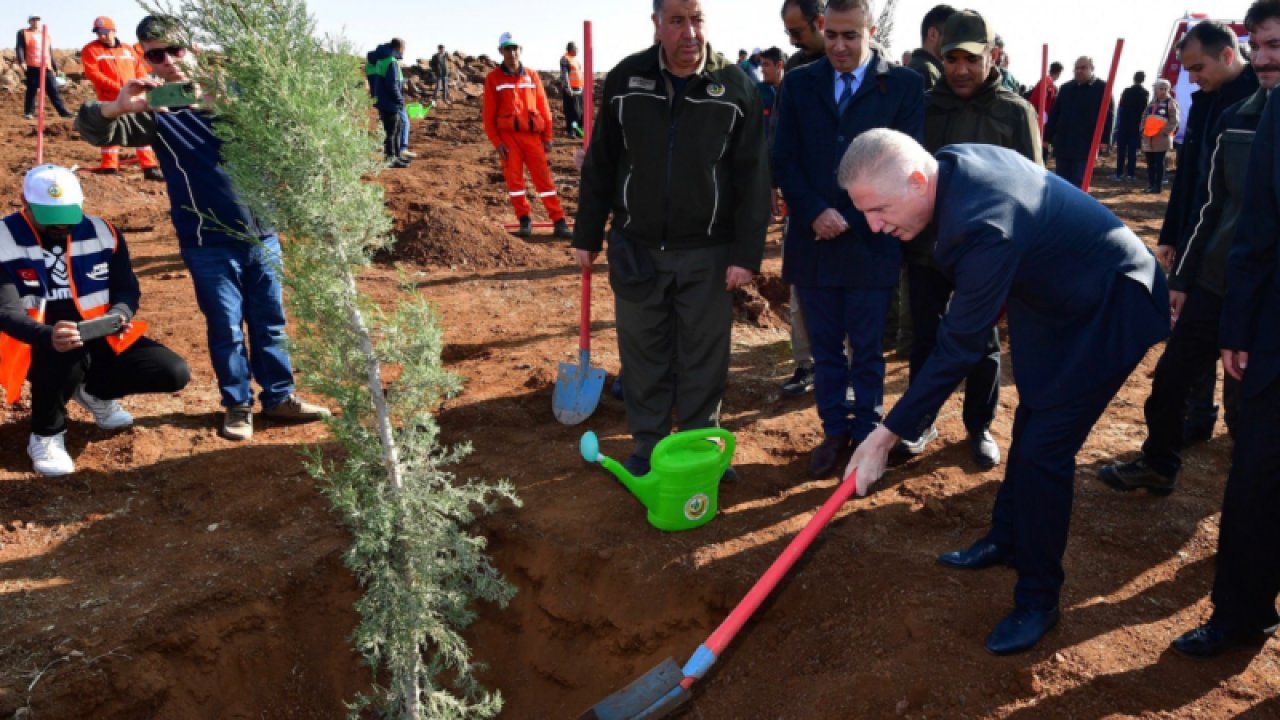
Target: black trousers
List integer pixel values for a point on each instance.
(930, 291)
(391, 126)
(1192, 351)
(1155, 169)
(146, 367)
(1248, 574)
(572, 113)
(1127, 152)
(50, 89)
(1033, 507)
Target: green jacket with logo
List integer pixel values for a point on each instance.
(686, 173)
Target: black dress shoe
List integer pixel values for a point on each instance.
(1136, 475)
(1210, 640)
(636, 465)
(823, 460)
(980, 556)
(730, 475)
(1021, 630)
(983, 449)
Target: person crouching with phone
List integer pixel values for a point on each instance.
(68, 297)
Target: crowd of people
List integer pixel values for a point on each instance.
(932, 171)
(921, 184)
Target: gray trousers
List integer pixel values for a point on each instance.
(674, 342)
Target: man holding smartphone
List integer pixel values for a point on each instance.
(233, 259)
(64, 275)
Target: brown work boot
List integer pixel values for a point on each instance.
(295, 409)
(237, 423)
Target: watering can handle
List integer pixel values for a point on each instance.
(726, 454)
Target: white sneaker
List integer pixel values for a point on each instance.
(49, 455)
(107, 413)
(408, 154)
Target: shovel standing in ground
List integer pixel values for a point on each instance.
(668, 686)
(578, 387)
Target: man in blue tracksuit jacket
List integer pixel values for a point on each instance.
(1085, 298)
(386, 86)
(236, 282)
(844, 272)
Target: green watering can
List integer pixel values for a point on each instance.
(417, 111)
(682, 488)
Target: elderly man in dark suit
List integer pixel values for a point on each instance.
(1248, 572)
(1086, 300)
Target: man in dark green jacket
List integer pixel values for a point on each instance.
(678, 160)
(969, 105)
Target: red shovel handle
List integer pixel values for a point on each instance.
(584, 331)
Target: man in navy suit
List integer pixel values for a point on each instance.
(1248, 573)
(844, 272)
(1085, 298)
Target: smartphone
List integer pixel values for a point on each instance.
(172, 95)
(108, 324)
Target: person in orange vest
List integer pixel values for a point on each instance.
(517, 120)
(109, 64)
(35, 59)
(571, 90)
(58, 269)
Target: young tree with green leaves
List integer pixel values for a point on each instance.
(301, 152)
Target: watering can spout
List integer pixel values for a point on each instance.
(589, 446)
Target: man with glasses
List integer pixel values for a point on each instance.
(232, 258)
(109, 64)
(803, 21)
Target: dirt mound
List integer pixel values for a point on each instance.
(433, 233)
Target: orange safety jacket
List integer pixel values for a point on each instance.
(515, 102)
(24, 259)
(33, 39)
(109, 68)
(575, 71)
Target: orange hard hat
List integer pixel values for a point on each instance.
(103, 24)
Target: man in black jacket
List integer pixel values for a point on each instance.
(1211, 53)
(927, 59)
(678, 160)
(1247, 578)
(969, 105)
(1198, 279)
(1073, 119)
(1133, 103)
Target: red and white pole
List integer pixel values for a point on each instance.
(46, 59)
(1042, 94)
(1102, 116)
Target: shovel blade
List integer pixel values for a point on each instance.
(577, 392)
(649, 697)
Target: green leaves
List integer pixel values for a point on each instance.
(300, 149)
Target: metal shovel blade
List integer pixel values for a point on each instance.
(652, 695)
(577, 391)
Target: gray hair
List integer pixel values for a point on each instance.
(884, 158)
(1162, 83)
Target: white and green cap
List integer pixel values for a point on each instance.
(54, 195)
(506, 41)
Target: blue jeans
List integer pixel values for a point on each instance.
(404, 129)
(238, 286)
(832, 314)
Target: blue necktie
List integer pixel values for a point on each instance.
(846, 94)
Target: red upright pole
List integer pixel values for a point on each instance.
(1042, 93)
(46, 58)
(589, 90)
(1102, 116)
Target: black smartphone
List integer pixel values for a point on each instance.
(108, 324)
(172, 95)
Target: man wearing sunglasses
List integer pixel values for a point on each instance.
(233, 258)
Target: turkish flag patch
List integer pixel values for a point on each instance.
(29, 277)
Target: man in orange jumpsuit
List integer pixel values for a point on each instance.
(517, 120)
(109, 64)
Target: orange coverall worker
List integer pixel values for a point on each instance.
(517, 116)
(109, 68)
